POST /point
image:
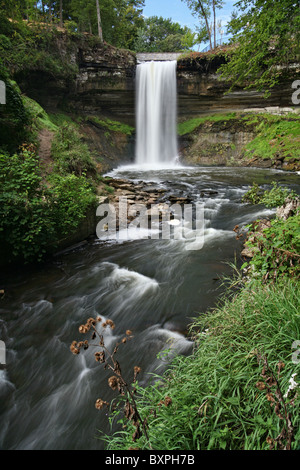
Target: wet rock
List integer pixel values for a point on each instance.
(179, 199)
(247, 252)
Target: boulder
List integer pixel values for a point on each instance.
(289, 208)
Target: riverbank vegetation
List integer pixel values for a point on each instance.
(42, 200)
(265, 137)
(239, 390)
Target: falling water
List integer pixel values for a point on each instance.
(156, 99)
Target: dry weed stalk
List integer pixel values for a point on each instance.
(116, 381)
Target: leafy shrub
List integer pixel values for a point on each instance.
(69, 198)
(274, 197)
(33, 216)
(25, 217)
(70, 152)
(276, 250)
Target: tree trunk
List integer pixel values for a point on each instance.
(99, 21)
(61, 23)
(214, 12)
(206, 22)
(50, 12)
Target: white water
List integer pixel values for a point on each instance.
(156, 114)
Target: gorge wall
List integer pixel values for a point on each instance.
(104, 86)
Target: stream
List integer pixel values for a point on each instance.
(152, 287)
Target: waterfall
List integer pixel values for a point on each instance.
(156, 114)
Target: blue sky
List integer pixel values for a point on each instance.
(178, 11)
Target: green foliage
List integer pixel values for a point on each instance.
(120, 19)
(276, 250)
(38, 116)
(114, 126)
(206, 13)
(267, 34)
(35, 46)
(69, 197)
(14, 118)
(33, 215)
(26, 225)
(162, 35)
(190, 125)
(274, 197)
(224, 396)
(71, 154)
(276, 135)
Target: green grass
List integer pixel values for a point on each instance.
(59, 119)
(275, 134)
(114, 126)
(40, 119)
(190, 125)
(217, 400)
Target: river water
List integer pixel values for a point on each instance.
(152, 287)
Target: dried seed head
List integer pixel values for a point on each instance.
(110, 323)
(74, 348)
(137, 370)
(83, 329)
(113, 382)
(168, 401)
(128, 332)
(260, 385)
(100, 404)
(100, 356)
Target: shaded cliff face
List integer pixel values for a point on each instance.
(200, 89)
(103, 84)
(103, 81)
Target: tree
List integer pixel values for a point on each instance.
(159, 34)
(61, 13)
(100, 34)
(266, 34)
(203, 9)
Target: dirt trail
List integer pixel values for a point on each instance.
(45, 142)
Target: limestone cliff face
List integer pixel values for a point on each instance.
(218, 143)
(103, 85)
(200, 89)
(102, 81)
